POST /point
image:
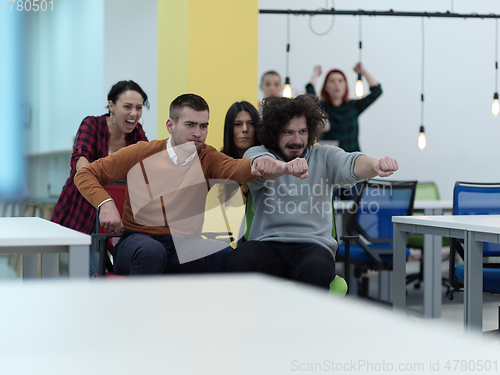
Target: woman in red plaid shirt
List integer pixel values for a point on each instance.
(97, 137)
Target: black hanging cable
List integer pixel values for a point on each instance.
(329, 27)
(359, 84)
(495, 108)
(287, 79)
(422, 92)
(421, 138)
(287, 41)
(496, 55)
(360, 42)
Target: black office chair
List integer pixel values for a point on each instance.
(371, 220)
(102, 238)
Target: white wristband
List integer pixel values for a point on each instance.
(107, 200)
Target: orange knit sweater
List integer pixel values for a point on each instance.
(162, 192)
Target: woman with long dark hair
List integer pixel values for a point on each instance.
(240, 134)
(241, 121)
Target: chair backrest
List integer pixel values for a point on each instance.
(427, 190)
(375, 204)
(475, 198)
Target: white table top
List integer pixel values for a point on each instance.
(227, 324)
(477, 223)
(34, 231)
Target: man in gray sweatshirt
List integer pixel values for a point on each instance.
(291, 230)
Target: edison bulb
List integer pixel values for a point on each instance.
(287, 91)
(359, 90)
(495, 107)
(422, 142)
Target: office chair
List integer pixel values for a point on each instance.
(102, 237)
(371, 219)
(473, 198)
(222, 232)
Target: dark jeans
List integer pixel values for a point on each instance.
(144, 254)
(305, 262)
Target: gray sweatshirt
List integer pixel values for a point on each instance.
(300, 211)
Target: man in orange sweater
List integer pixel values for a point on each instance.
(167, 183)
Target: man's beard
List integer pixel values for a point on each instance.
(294, 154)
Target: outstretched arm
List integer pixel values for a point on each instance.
(366, 167)
(271, 169)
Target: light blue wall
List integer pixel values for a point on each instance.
(12, 69)
(66, 71)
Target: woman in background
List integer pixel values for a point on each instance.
(270, 84)
(239, 135)
(239, 129)
(343, 112)
(97, 137)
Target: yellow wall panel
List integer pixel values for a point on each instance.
(173, 24)
(220, 56)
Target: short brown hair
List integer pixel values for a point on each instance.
(192, 101)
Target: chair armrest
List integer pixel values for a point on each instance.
(101, 241)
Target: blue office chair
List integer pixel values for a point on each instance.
(371, 219)
(473, 198)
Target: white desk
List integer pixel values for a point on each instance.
(474, 229)
(226, 324)
(32, 235)
(428, 207)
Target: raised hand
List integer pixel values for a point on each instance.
(359, 68)
(317, 70)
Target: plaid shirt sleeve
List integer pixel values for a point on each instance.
(85, 141)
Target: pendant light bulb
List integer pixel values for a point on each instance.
(287, 91)
(495, 107)
(422, 142)
(359, 90)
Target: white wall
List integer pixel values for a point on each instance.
(12, 89)
(131, 40)
(75, 54)
(65, 72)
(462, 134)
